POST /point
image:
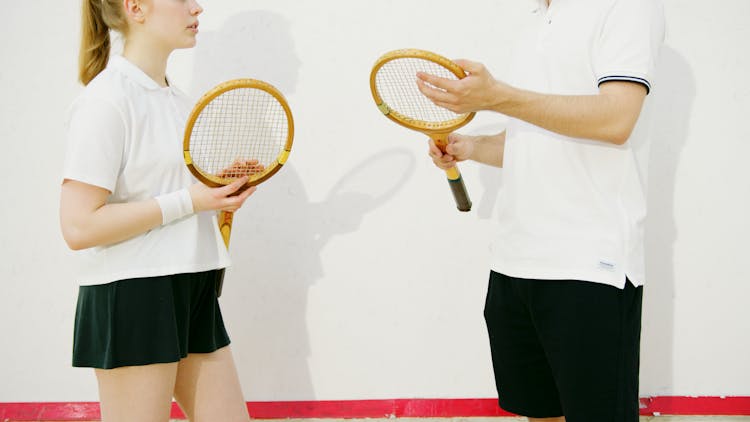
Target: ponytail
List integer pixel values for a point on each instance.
(97, 17)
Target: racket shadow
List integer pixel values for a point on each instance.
(278, 237)
(363, 188)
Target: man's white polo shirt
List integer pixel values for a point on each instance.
(575, 208)
(125, 135)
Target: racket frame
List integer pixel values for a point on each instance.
(255, 179)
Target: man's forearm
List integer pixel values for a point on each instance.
(609, 116)
(489, 149)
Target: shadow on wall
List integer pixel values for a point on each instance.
(277, 243)
(671, 117)
(251, 44)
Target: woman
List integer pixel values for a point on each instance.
(148, 319)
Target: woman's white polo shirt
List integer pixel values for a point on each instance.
(125, 135)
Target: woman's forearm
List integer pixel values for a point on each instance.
(88, 221)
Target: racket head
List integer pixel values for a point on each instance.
(240, 119)
(393, 83)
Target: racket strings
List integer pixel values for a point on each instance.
(242, 131)
(396, 83)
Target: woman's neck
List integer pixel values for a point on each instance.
(151, 61)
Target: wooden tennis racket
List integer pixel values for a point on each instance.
(242, 127)
(393, 82)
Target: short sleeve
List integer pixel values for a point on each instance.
(631, 37)
(95, 143)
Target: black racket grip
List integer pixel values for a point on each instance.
(459, 194)
(219, 281)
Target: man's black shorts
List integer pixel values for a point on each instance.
(565, 347)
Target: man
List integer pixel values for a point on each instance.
(563, 307)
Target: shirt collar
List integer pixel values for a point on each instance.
(134, 72)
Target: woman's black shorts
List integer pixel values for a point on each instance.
(147, 320)
(564, 347)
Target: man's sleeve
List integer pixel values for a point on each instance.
(629, 41)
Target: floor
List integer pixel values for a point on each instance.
(509, 419)
(506, 419)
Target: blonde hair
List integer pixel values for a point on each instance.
(97, 18)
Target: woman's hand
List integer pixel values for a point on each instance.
(241, 168)
(226, 198)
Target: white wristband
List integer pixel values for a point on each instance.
(175, 205)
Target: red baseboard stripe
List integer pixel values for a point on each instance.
(397, 408)
(703, 406)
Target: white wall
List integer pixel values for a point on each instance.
(354, 276)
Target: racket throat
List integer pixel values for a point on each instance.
(225, 226)
(441, 140)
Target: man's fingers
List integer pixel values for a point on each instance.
(445, 164)
(437, 82)
(454, 144)
(449, 106)
(469, 66)
(434, 94)
(434, 151)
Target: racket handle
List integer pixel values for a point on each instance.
(456, 182)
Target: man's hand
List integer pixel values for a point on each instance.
(477, 91)
(459, 148)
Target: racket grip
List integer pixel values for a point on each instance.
(456, 182)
